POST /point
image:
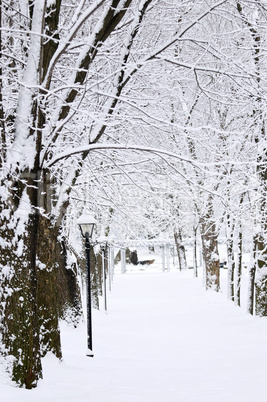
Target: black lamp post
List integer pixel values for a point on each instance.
(86, 223)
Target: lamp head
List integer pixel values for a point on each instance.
(86, 224)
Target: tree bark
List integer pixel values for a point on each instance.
(211, 258)
(239, 267)
(20, 325)
(261, 278)
(231, 267)
(2, 115)
(252, 274)
(180, 249)
(195, 252)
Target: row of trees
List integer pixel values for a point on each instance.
(148, 113)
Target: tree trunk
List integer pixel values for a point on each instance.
(19, 323)
(211, 258)
(195, 253)
(239, 267)
(261, 279)
(230, 255)
(96, 277)
(252, 274)
(2, 114)
(48, 292)
(180, 249)
(231, 268)
(261, 254)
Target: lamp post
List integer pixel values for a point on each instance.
(86, 224)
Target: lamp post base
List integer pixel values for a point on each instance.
(89, 353)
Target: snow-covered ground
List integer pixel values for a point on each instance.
(164, 338)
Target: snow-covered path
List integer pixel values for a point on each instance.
(164, 339)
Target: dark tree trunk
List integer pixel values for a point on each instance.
(195, 252)
(230, 256)
(180, 249)
(20, 326)
(96, 277)
(252, 275)
(2, 114)
(211, 258)
(239, 267)
(261, 280)
(231, 268)
(48, 292)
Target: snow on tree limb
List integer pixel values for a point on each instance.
(23, 149)
(64, 45)
(96, 147)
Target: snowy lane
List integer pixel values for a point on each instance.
(183, 344)
(163, 339)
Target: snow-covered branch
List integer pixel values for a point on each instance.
(72, 32)
(156, 151)
(97, 147)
